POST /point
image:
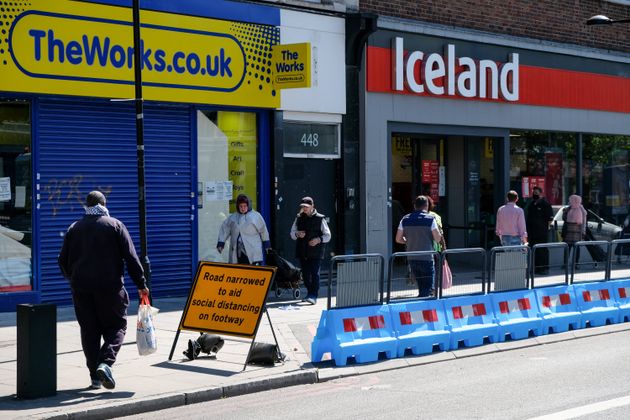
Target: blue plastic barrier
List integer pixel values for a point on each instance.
(621, 289)
(471, 320)
(420, 326)
(558, 308)
(362, 332)
(596, 303)
(517, 314)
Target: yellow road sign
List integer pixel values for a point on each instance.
(227, 298)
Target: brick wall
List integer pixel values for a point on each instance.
(554, 20)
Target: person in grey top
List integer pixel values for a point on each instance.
(247, 232)
(417, 231)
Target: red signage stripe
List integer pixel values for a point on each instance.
(622, 292)
(604, 295)
(349, 325)
(524, 304)
(504, 307)
(546, 301)
(565, 299)
(537, 86)
(586, 295)
(430, 315)
(405, 318)
(479, 309)
(377, 321)
(457, 312)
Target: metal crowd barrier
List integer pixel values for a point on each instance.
(588, 271)
(468, 268)
(401, 283)
(359, 280)
(619, 262)
(509, 268)
(556, 271)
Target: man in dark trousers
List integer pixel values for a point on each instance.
(539, 217)
(94, 252)
(417, 231)
(311, 232)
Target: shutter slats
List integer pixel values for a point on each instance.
(84, 145)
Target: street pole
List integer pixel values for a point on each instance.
(142, 207)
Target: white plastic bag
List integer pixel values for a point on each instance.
(145, 330)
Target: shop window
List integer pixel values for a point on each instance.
(227, 144)
(15, 197)
(544, 159)
(605, 176)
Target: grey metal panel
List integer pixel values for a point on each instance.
(510, 270)
(358, 282)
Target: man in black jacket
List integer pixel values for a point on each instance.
(94, 252)
(311, 232)
(539, 216)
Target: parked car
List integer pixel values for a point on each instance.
(601, 229)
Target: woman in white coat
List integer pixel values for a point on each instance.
(248, 234)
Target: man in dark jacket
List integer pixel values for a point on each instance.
(539, 216)
(311, 232)
(94, 252)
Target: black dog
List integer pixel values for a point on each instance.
(207, 343)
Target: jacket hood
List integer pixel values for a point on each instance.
(242, 198)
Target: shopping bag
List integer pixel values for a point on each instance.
(447, 276)
(145, 329)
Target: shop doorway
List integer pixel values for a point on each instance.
(306, 177)
(457, 172)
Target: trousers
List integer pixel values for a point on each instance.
(102, 315)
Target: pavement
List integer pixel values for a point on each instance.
(151, 383)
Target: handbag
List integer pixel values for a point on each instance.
(447, 276)
(145, 329)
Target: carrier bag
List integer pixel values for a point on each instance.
(145, 330)
(447, 276)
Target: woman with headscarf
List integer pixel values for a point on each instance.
(574, 216)
(248, 234)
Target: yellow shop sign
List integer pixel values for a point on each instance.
(52, 50)
(292, 66)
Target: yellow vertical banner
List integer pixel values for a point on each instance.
(240, 129)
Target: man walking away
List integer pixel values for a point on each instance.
(539, 217)
(511, 222)
(94, 252)
(417, 231)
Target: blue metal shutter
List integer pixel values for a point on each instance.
(85, 145)
(169, 202)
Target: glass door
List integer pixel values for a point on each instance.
(15, 197)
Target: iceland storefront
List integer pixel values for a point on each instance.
(464, 116)
(211, 88)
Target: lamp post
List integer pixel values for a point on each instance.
(142, 206)
(604, 20)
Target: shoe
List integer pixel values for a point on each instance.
(311, 300)
(96, 384)
(104, 373)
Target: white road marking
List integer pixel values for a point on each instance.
(586, 409)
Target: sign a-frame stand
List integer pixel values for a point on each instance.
(228, 299)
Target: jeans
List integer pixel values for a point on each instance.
(508, 240)
(424, 271)
(310, 275)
